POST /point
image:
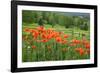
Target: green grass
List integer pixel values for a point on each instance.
(41, 53)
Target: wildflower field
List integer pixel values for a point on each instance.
(47, 43)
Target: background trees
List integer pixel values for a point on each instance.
(56, 18)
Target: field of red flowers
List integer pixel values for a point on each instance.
(41, 44)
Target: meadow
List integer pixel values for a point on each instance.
(47, 43)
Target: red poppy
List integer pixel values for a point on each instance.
(66, 36)
(33, 47)
(49, 31)
(44, 40)
(85, 42)
(49, 36)
(44, 36)
(64, 41)
(35, 34)
(40, 29)
(32, 30)
(58, 39)
(76, 41)
(87, 46)
(80, 51)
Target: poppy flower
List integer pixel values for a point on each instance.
(64, 41)
(35, 34)
(56, 34)
(44, 36)
(58, 39)
(44, 40)
(49, 36)
(33, 47)
(76, 41)
(87, 46)
(50, 30)
(40, 29)
(77, 49)
(66, 36)
(80, 51)
(84, 42)
(32, 31)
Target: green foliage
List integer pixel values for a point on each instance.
(28, 17)
(55, 51)
(59, 21)
(84, 27)
(54, 18)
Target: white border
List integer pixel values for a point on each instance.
(53, 63)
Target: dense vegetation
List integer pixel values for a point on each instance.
(51, 36)
(56, 18)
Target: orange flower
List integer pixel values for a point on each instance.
(76, 41)
(87, 46)
(32, 31)
(77, 49)
(35, 34)
(50, 31)
(44, 36)
(85, 42)
(56, 34)
(64, 41)
(40, 29)
(80, 51)
(44, 40)
(66, 36)
(50, 36)
(60, 33)
(33, 47)
(58, 39)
